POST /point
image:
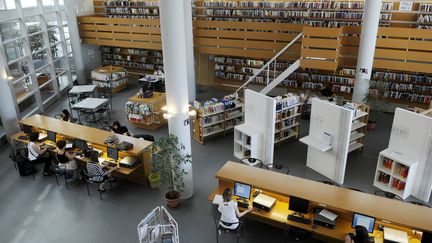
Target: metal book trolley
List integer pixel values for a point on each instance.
(158, 227)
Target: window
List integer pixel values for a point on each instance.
(28, 3)
(48, 2)
(57, 51)
(40, 58)
(63, 81)
(33, 24)
(43, 76)
(19, 69)
(60, 65)
(7, 4)
(36, 42)
(28, 106)
(23, 88)
(10, 30)
(51, 20)
(14, 50)
(47, 91)
(66, 32)
(63, 17)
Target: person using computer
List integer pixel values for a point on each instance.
(361, 235)
(65, 158)
(38, 153)
(97, 173)
(65, 115)
(119, 129)
(230, 213)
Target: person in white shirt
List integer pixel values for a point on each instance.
(39, 154)
(230, 213)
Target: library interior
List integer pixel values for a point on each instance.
(167, 121)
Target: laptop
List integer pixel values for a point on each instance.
(393, 235)
(69, 145)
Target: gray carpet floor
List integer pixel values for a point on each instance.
(42, 212)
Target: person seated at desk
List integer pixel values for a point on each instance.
(230, 213)
(96, 173)
(65, 158)
(158, 73)
(361, 236)
(65, 115)
(119, 129)
(38, 153)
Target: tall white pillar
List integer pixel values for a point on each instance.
(371, 16)
(176, 78)
(189, 49)
(8, 113)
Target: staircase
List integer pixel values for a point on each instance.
(266, 68)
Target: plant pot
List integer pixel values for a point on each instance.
(371, 126)
(154, 179)
(172, 199)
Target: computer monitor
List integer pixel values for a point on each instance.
(298, 205)
(242, 190)
(52, 136)
(81, 144)
(112, 153)
(27, 129)
(426, 237)
(367, 221)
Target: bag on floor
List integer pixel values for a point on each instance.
(25, 166)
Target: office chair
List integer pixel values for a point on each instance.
(329, 183)
(419, 204)
(388, 195)
(297, 234)
(354, 189)
(89, 181)
(21, 156)
(146, 137)
(59, 170)
(277, 167)
(252, 162)
(220, 229)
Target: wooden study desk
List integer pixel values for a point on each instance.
(67, 130)
(344, 202)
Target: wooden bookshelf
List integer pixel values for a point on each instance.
(111, 77)
(216, 119)
(146, 112)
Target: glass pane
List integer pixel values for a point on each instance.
(48, 2)
(28, 3)
(71, 61)
(64, 17)
(60, 65)
(22, 88)
(51, 20)
(10, 30)
(7, 4)
(69, 46)
(14, 50)
(43, 76)
(19, 69)
(63, 81)
(57, 51)
(61, 2)
(47, 91)
(54, 36)
(28, 105)
(40, 59)
(36, 42)
(32, 24)
(66, 32)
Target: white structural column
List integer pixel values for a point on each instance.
(371, 16)
(8, 112)
(176, 78)
(189, 49)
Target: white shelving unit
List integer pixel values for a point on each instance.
(310, 141)
(395, 173)
(358, 128)
(247, 142)
(287, 123)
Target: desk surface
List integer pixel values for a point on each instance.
(82, 89)
(401, 213)
(89, 134)
(90, 103)
(155, 98)
(151, 79)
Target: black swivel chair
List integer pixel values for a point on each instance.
(297, 234)
(278, 167)
(221, 230)
(354, 189)
(419, 203)
(90, 181)
(388, 195)
(252, 162)
(329, 183)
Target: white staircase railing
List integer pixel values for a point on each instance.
(267, 66)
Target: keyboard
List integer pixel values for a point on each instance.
(299, 219)
(242, 204)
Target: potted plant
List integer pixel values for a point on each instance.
(154, 179)
(168, 156)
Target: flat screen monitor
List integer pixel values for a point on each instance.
(81, 144)
(112, 153)
(426, 237)
(298, 205)
(52, 136)
(242, 190)
(363, 220)
(27, 129)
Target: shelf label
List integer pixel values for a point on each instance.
(405, 6)
(400, 131)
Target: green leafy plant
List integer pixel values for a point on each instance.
(168, 156)
(36, 43)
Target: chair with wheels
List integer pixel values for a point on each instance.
(88, 180)
(252, 162)
(418, 203)
(59, 170)
(389, 195)
(297, 234)
(329, 183)
(278, 167)
(222, 230)
(22, 163)
(146, 137)
(354, 189)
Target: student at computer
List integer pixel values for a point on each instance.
(119, 129)
(361, 235)
(38, 153)
(65, 115)
(230, 213)
(65, 158)
(96, 173)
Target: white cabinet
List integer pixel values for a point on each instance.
(247, 142)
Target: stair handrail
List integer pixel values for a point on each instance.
(269, 62)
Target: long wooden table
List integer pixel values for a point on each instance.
(344, 202)
(67, 130)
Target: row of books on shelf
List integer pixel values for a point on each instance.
(424, 18)
(342, 89)
(287, 14)
(212, 119)
(138, 108)
(285, 123)
(131, 51)
(414, 78)
(126, 10)
(398, 184)
(383, 177)
(285, 4)
(132, 58)
(284, 134)
(131, 64)
(287, 113)
(425, 7)
(409, 97)
(424, 27)
(331, 23)
(286, 101)
(106, 76)
(131, 3)
(222, 126)
(387, 163)
(130, 16)
(112, 84)
(241, 61)
(401, 170)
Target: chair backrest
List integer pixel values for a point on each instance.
(252, 162)
(329, 183)
(277, 167)
(419, 203)
(389, 195)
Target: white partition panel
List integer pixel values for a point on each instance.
(411, 136)
(335, 120)
(260, 113)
